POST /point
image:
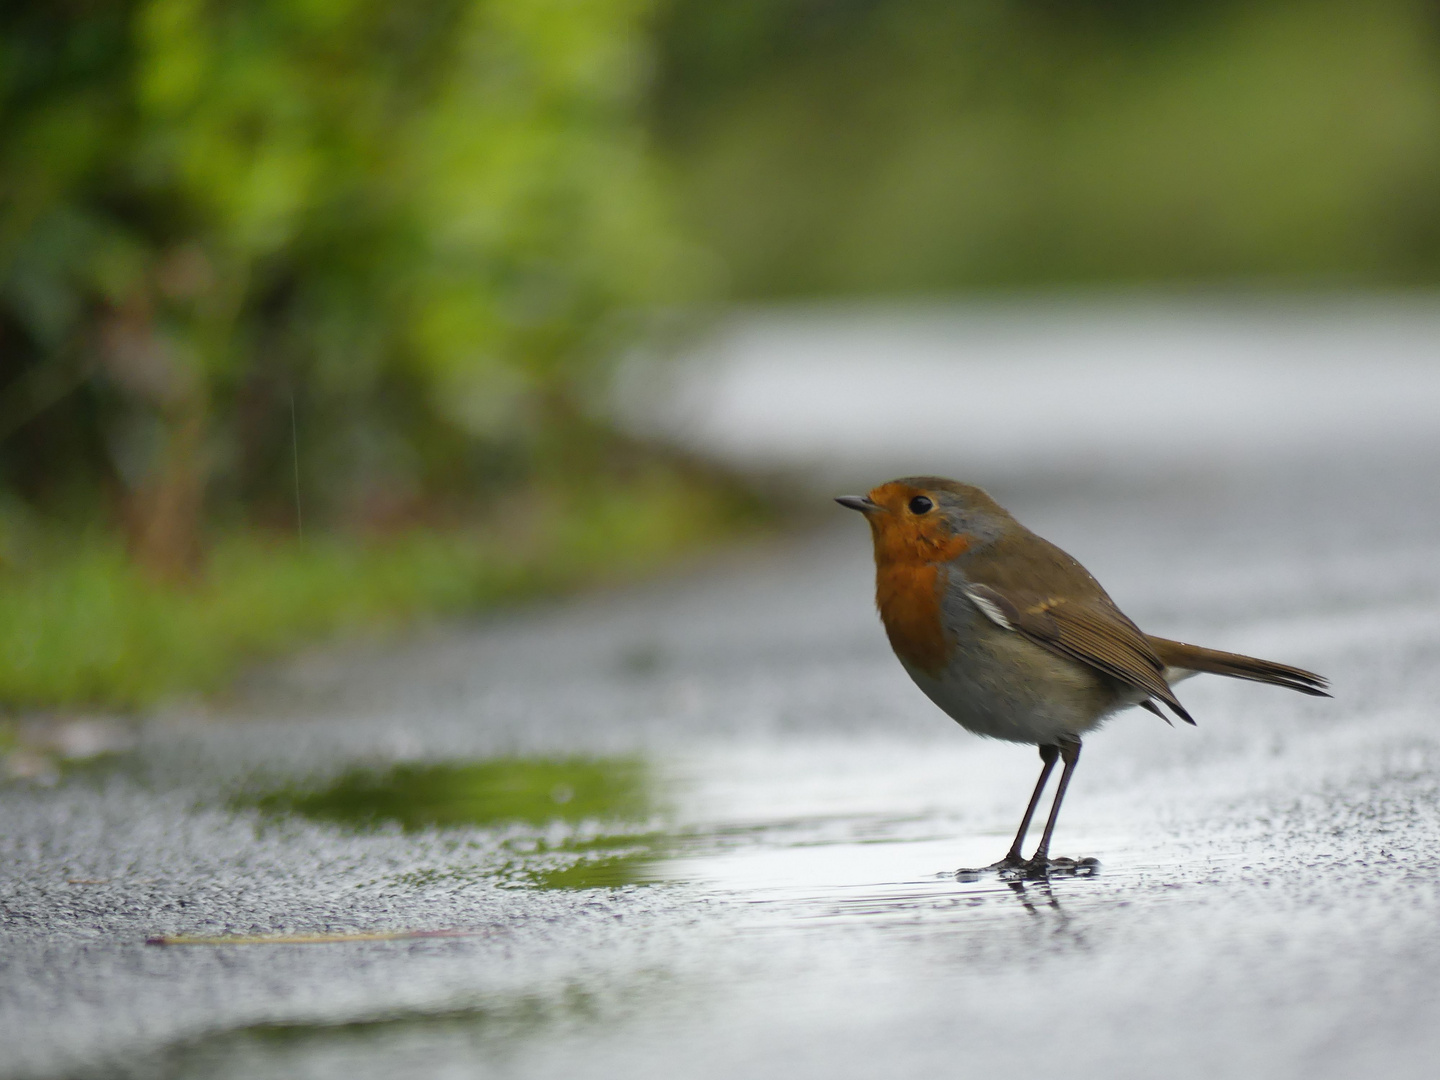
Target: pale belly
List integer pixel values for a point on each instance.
(1003, 686)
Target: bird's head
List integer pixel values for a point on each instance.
(928, 519)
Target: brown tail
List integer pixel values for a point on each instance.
(1194, 658)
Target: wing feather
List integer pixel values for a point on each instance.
(1092, 631)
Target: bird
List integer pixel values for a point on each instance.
(1015, 640)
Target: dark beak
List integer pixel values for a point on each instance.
(857, 502)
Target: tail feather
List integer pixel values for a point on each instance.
(1178, 654)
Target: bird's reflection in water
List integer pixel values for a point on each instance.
(1037, 890)
(1039, 900)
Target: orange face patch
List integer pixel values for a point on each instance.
(909, 549)
(904, 537)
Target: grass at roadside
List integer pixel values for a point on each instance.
(80, 627)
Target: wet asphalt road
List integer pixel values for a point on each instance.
(753, 875)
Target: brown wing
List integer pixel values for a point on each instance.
(1092, 631)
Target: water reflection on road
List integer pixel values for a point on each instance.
(567, 823)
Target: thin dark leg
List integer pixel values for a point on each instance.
(1069, 754)
(1013, 860)
(1048, 754)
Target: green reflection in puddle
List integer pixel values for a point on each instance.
(601, 862)
(498, 791)
(604, 809)
(611, 873)
(387, 1046)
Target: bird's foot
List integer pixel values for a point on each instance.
(1010, 866)
(1040, 868)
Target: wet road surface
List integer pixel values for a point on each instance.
(707, 828)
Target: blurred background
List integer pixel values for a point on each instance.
(322, 315)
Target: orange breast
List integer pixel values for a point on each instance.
(909, 551)
(909, 600)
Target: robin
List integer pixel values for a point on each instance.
(1015, 640)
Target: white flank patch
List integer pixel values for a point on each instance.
(990, 609)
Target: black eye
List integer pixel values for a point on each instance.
(921, 505)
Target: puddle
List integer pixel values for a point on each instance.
(499, 791)
(639, 866)
(578, 823)
(395, 1043)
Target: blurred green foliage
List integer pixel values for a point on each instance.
(413, 232)
(349, 268)
(855, 146)
(83, 624)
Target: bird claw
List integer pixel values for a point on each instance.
(1040, 868)
(1004, 871)
(1009, 867)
